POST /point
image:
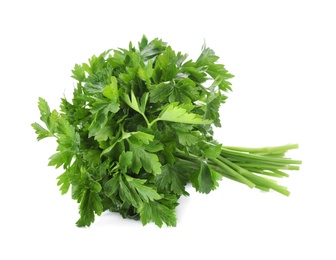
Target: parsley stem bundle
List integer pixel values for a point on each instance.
(243, 164)
(139, 128)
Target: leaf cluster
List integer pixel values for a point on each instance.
(138, 129)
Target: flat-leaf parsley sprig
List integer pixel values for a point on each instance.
(139, 128)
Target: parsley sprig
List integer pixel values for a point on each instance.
(139, 128)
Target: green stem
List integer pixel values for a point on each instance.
(258, 158)
(250, 165)
(264, 150)
(231, 164)
(232, 172)
(149, 125)
(152, 123)
(258, 180)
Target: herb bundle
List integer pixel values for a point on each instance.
(139, 128)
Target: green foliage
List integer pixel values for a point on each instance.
(139, 129)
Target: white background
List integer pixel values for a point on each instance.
(283, 56)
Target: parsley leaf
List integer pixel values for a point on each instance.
(175, 113)
(157, 212)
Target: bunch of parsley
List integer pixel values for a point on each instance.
(139, 128)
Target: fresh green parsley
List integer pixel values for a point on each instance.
(139, 128)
